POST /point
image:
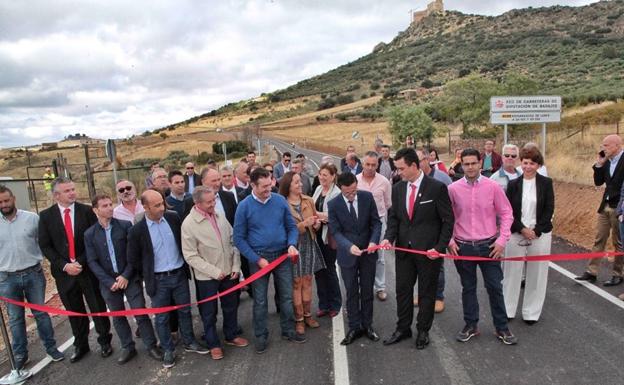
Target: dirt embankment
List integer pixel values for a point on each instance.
(575, 212)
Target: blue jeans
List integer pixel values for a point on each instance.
(173, 289)
(209, 310)
(441, 282)
(283, 275)
(30, 285)
(492, 279)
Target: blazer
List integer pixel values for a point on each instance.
(227, 200)
(206, 254)
(343, 164)
(497, 161)
(54, 245)
(613, 183)
(544, 209)
(431, 226)
(307, 210)
(366, 230)
(390, 160)
(333, 192)
(98, 257)
(141, 254)
(196, 179)
(278, 171)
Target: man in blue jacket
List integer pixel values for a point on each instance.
(105, 245)
(354, 223)
(264, 229)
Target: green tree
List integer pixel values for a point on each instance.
(411, 120)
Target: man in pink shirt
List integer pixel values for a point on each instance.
(128, 206)
(477, 203)
(375, 183)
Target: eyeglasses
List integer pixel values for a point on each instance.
(510, 156)
(127, 188)
(190, 168)
(286, 159)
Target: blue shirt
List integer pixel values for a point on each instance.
(264, 226)
(111, 249)
(613, 162)
(166, 254)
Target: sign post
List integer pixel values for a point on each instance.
(111, 153)
(507, 110)
(224, 150)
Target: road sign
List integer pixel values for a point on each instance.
(525, 103)
(525, 117)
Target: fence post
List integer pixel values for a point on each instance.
(89, 172)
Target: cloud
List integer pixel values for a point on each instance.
(123, 67)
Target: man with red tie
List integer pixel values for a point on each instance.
(61, 239)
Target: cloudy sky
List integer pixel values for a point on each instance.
(116, 67)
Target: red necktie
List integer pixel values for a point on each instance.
(412, 200)
(69, 232)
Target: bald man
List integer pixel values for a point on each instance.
(608, 171)
(191, 178)
(154, 249)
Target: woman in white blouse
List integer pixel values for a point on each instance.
(533, 201)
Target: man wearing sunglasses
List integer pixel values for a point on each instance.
(283, 167)
(509, 171)
(128, 206)
(191, 178)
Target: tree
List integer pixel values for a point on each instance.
(411, 120)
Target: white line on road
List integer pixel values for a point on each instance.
(604, 294)
(47, 360)
(341, 361)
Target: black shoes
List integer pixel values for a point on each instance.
(156, 353)
(586, 277)
(78, 354)
(422, 340)
(106, 350)
(372, 335)
(398, 336)
(126, 355)
(352, 336)
(530, 322)
(614, 281)
(168, 360)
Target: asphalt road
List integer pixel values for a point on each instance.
(578, 340)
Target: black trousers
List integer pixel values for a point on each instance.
(409, 269)
(86, 287)
(359, 280)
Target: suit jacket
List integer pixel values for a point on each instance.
(54, 245)
(431, 226)
(306, 187)
(227, 200)
(544, 209)
(366, 230)
(390, 160)
(140, 252)
(278, 171)
(497, 161)
(98, 257)
(196, 179)
(613, 183)
(343, 164)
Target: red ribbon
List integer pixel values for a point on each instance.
(154, 310)
(280, 259)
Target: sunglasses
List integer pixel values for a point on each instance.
(510, 156)
(127, 188)
(190, 168)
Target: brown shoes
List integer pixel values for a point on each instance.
(381, 295)
(439, 306)
(216, 353)
(300, 327)
(311, 322)
(239, 342)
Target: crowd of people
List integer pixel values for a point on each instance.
(212, 229)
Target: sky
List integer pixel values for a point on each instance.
(113, 68)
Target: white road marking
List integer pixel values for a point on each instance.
(47, 360)
(341, 361)
(604, 294)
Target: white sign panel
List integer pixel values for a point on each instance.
(525, 103)
(525, 117)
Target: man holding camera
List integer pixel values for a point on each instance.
(608, 170)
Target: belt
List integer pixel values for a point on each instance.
(33, 267)
(477, 242)
(167, 273)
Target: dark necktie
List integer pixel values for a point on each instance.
(352, 211)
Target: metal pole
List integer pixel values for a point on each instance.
(16, 376)
(544, 140)
(505, 134)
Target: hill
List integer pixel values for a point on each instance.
(577, 52)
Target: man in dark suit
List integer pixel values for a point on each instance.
(343, 161)
(608, 171)
(191, 178)
(155, 251)
(225, 201)
(420, 218)
(105, 245)
(354, 223)
(61, 229)
(352, 164)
